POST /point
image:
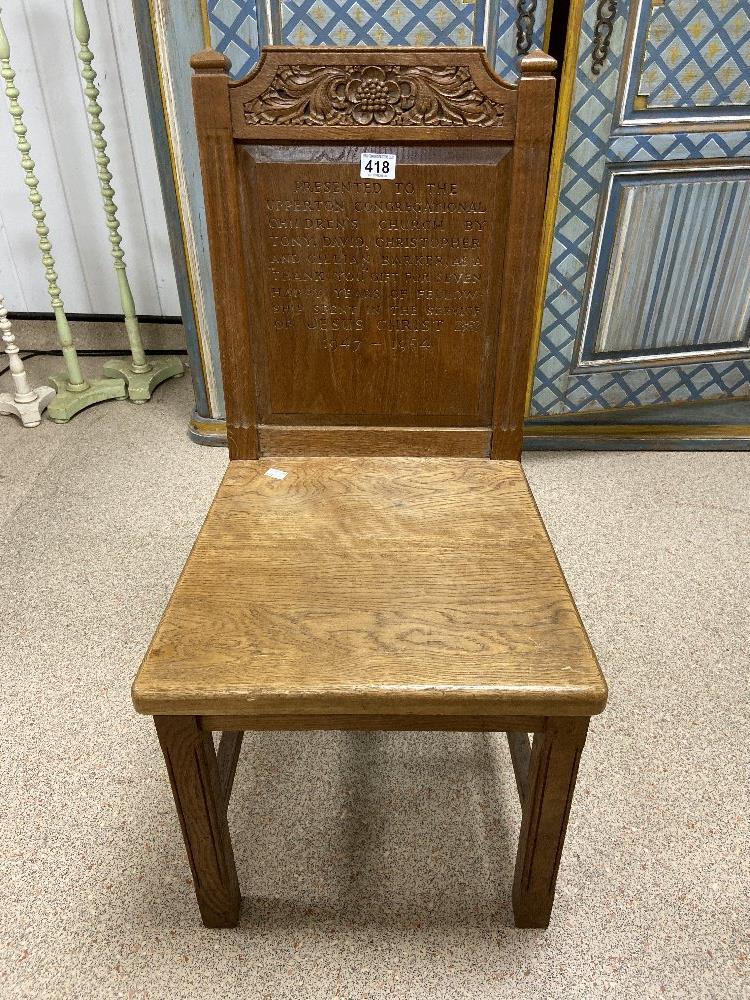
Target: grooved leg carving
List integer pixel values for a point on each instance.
(201, 807)
(520, 754)
(226, 757)
(551, 781)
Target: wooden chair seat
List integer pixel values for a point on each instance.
(362, 592)
(371, 593)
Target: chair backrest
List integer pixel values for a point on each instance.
(368, 305)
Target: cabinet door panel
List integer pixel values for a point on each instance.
(646, 300)
(670, 266)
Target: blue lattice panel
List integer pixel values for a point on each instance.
(696, 54)
(369, 22)
(234, 31)
(237, 31)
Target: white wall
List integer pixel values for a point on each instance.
(43, 54)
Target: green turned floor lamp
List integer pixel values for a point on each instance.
(141, 374)
(74, 392)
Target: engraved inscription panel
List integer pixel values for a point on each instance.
(375, 299)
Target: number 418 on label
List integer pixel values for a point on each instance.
(378, 165)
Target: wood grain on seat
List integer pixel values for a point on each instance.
(371, 586)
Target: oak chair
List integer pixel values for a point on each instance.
(373, 559)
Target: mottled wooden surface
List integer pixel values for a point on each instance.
(372, 585)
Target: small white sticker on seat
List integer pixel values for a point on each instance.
(276, 473)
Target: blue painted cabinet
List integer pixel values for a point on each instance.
(647, 297)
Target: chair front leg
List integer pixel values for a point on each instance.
(551, 781)
(201, 806)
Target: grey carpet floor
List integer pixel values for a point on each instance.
(372, 865)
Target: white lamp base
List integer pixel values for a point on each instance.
(30, 411)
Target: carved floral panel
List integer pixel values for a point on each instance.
(379, 95)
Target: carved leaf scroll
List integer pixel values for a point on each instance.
(373, 95)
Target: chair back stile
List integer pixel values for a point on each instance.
(371, 313)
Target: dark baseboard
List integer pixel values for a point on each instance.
(92, 317)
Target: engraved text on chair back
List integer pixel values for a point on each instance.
(366, 304)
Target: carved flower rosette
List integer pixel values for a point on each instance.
(373, 95)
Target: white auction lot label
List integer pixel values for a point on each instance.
(380, 165)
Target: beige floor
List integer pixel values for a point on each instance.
(371, 865)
